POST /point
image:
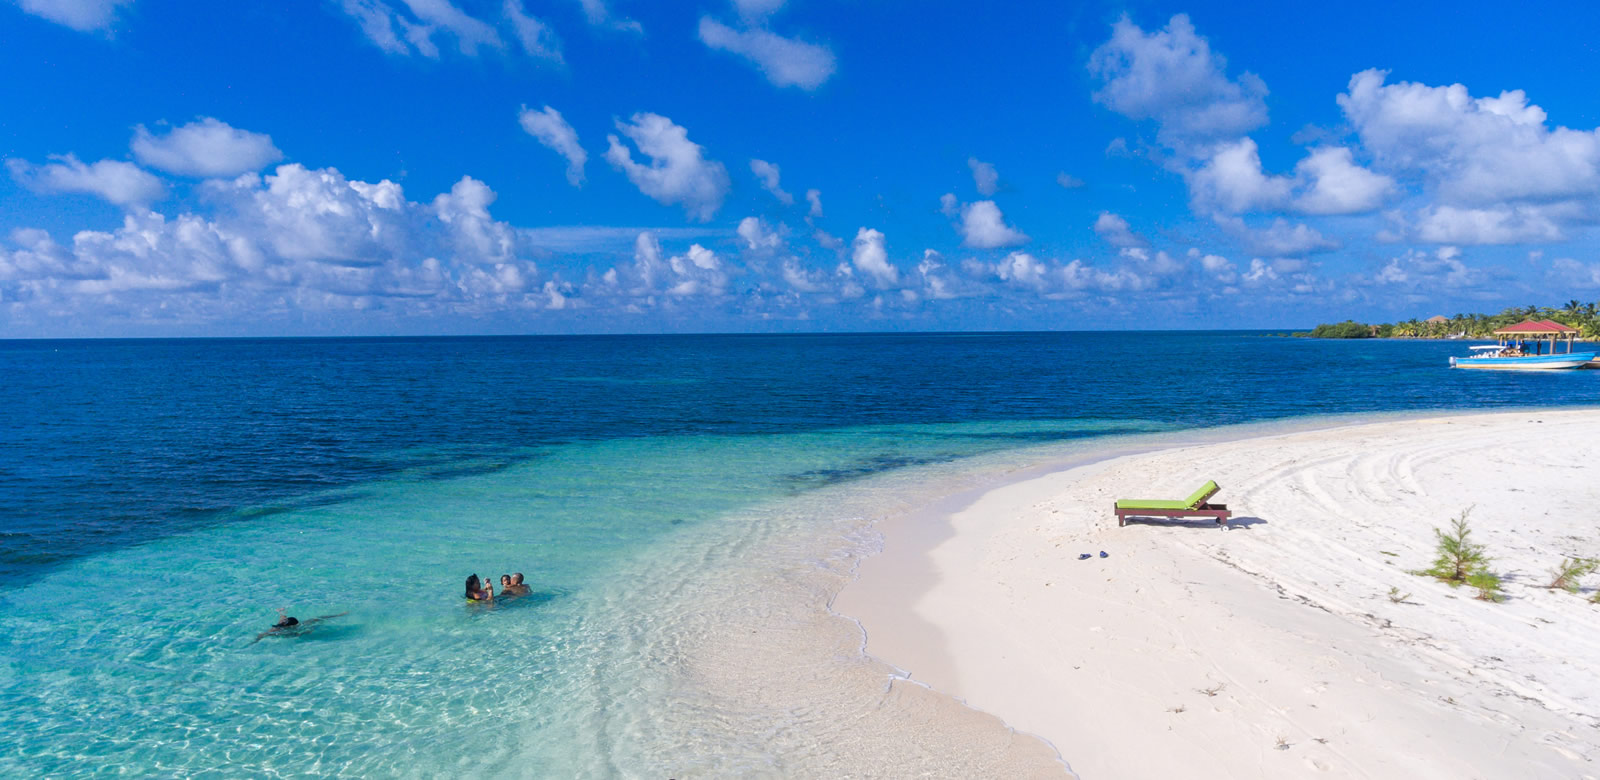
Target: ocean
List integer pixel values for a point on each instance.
(683, 507)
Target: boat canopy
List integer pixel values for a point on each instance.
(1537, 328)
(1487, 346)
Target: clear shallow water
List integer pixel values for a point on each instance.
(682, 506)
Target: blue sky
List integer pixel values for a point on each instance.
(558, 166)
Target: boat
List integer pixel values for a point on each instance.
(1521, 348)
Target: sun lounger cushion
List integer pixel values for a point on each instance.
(1136, 503)
(1199, 497)
(1194, 501)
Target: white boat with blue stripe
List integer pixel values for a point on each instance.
(1522, 348)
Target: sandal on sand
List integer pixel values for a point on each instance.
(1085, 557)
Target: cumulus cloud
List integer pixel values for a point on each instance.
(984, 227)
(413, 30)
(678, 171)
(1495, 225)
(871, 257)
(296, 239)
(1333, 184)
(1474, 151)
(1114, 230)
(814, 197)
(1024, 269)
(80, 15)
(1232, 181)
(549, 128)
(984, 176)
(786, 62)
(1171, 76)
(118, 182)
(1280, 238)
(1068, 181)
(1417, 269)
(206, 148)
(536, 37)
(757, 236)
(697, 273)
(768, 174)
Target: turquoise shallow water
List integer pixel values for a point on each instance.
(682, 508)
(142, 658)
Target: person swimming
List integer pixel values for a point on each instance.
(288, 625)
(478, 590)
(516, 587)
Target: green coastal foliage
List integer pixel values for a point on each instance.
(1460, 560)
(1572, 570)
(1575, 314)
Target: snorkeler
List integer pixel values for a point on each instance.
(288, 625)
(478, 590)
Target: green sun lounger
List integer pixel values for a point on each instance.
(1194, 506)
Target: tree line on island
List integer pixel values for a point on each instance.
(1575, 314)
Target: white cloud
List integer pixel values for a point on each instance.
(122, 183)
(678, 171)
(1115, 231)
(80, 15)
(1280, 238)
(1429, 271)
(1068, 181)
(297, 239)
(949, 205)
(1022, 268)
(548, 126)
(536, 37)
(598, 13)
(1334, 184)
(1494, 225)
(206, 148)
(984, 176)
(757, 236)
(697, 272)
(814, 197)
(1219, 267)
(1232, 181)
(1172, 77)
(787, 62)
(984, 227)
(768, 173)
(801, 279)
(399, 32)
(870, 257)
(1473, 151)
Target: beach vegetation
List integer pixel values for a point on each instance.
(1567, 575)
(1213, 690)
(1576, 314)
(1487, 585)
(1459, 560)
(1397, 597)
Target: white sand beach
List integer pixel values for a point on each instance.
(1274, 649)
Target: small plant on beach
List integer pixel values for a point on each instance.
(1487, 585)
(1397, 597)
(1458, 556)
(1213, 690)
(1283, 743)
(1571, 570)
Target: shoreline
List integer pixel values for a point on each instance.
(980, 596)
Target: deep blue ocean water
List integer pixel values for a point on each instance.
(160, 498)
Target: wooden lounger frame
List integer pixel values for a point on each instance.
(1218, 511)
